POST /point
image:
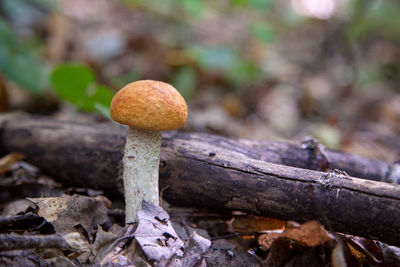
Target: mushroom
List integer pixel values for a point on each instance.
(147, 107)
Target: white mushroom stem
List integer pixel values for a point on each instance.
(140, 170)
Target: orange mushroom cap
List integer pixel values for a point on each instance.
(150, 105)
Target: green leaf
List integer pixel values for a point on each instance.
(243, 73)
(194, 8)
(26, 70)
(214, 58)
(261, 4)
(8, 38)
(76, 84)
(70, 81)
(99, 95)
(243, 3)
(103, 95)
(21, 63)
(164, 7)
(103, 110)
(185, 81)
(371, 19)
(258, 5)
(263, 32)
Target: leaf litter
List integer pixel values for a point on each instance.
(101, 239)
(156, 235)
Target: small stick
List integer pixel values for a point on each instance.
(70, 241)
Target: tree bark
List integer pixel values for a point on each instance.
(211, 171)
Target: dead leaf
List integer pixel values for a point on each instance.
(308, 257)
(363, 249)
(3, 95)
(60, 261)
(227, 254)
(200, 242)
(156, 235)
(252, 223)
(196, 243)
(23, 180)
(22, 258)
(120, 260)
(75, 241)
(24, 167)
(17, 207)
(281, 251)
(7, 161)
(391, 254)
(309, 234)
(67, 212)
(266, 239)
(103, 245)
(372, 251)
(194, 252)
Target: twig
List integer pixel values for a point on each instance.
(70, 241)
(26, 221)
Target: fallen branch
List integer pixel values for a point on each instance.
(93, 152)
(70, 241)
(211, 171)
(26, 221)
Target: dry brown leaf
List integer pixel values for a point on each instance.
(363, 249)
(233, 105)
(265, 240)
(251, 223)
(103, 245)
(3, 95)
(356, 253)
(67, 212)
(120, 251)
(310, 234)
(17, 207)
(7, 161)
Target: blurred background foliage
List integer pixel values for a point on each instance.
(248, 68)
